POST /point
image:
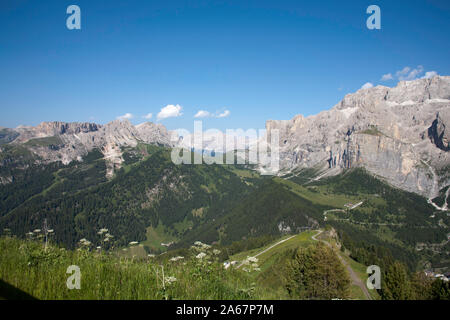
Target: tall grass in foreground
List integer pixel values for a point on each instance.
(41, 272)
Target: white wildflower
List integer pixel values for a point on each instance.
(102, 231)
(200, 245)
(176, 258)
(201, 255)
(170, 280)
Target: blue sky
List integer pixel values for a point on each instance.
(258, 60)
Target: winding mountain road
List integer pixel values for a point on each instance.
(267, 249)
(353, 276)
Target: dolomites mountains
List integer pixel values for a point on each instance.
(400, 134)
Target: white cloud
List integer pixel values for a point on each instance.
(207, 114)
(429, 74)
(202, 114)
(386, 77)
(407, 74)
(126, 116)
(169, 111)
(148, 116)
(224, 114)
(402, 72)
(367, 85)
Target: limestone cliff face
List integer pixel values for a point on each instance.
(48, 129)
(66, 142)
(438, 133)
(400, 134)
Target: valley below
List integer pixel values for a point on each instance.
(371, 175)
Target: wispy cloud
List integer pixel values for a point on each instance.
(169, 111)
(126, 116)
(202, 114)
(407, 73)
(367, 85)
(207, 114)
(386, 77)
(148, 116)
(429, 74)
(224, 114)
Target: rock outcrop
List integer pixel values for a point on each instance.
(438, 133)
(66, 142)
(54, 128)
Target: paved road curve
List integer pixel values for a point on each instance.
(267, 249)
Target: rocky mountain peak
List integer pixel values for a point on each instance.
(155, 133)
(398, 133)
(53, 128)
(69, 141)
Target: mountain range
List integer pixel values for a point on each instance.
(400, 134)
(375, 167)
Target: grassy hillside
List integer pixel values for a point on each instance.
(40, 272)
(154, 202)
(269, 209)
(28, 267)
(270, 258)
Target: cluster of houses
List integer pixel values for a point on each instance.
(445, 277)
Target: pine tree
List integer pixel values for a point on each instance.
(316, 273)
(396, 285)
